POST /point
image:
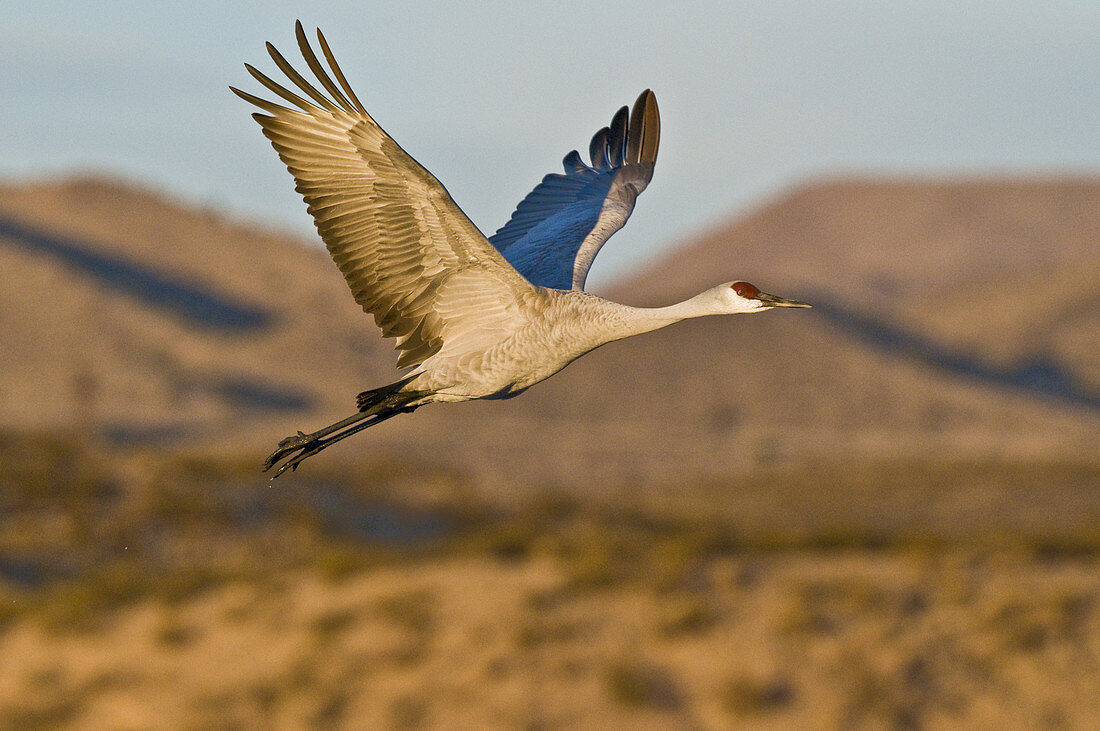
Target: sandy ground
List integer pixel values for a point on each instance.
(936, 639)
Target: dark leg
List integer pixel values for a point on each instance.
(301, 439)
(374, 407)
(308, 445)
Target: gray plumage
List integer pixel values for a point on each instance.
(472, 317)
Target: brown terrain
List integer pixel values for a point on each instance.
(884, 511)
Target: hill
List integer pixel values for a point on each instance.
(955, 322)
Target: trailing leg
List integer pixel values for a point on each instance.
(375, 406)
(315, 445)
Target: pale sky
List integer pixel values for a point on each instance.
(754, 96)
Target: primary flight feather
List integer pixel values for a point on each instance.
(472, 317)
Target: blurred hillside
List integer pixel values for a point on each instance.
(881, 512)
(953, 320)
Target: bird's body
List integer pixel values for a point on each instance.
(474, 317)
(547, 330)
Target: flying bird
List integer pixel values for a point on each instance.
(473, 317)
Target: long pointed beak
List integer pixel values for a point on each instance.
(770, 300)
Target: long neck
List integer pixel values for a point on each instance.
(628, 321)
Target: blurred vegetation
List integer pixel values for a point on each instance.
(85, 529)
(883, 582)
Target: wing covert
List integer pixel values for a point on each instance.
(558, 228)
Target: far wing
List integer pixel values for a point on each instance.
(557, 230)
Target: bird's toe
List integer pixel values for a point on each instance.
(288, 446)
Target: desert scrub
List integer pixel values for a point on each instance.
(173, 633)
(688, 615)
(329, 625)
(638, 683)
(749, 696)
(415, 611)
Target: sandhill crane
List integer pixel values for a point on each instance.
(474, 317)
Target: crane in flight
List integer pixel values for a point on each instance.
(473, 317)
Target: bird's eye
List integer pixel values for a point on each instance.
(746, 290)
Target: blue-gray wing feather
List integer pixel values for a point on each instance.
(556, 231)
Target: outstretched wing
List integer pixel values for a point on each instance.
(556, 231)
(409, 254)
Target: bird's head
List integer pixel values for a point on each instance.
(745, 297)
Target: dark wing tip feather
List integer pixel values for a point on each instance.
(597, 149)
(339, 90)
(339, 74)
(299, 80)
(269, 107)
(250, 98)
(279, 90)
(573, 163)
(644, 135)
(317, 69)
(616, 142)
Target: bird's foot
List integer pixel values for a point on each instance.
(292, 464)
(300, 441)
